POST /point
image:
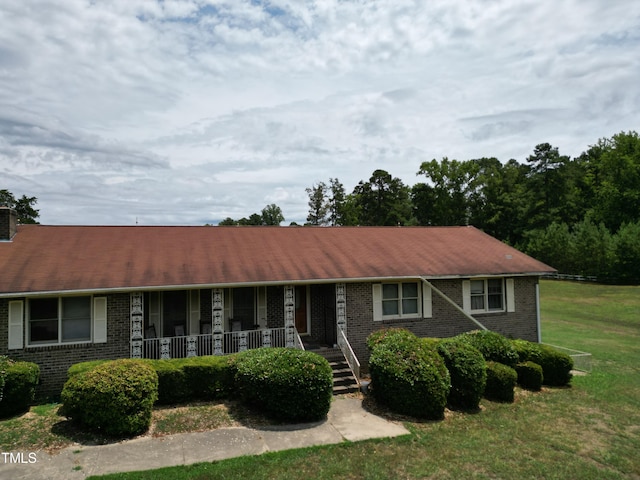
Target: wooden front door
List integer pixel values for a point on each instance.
(301, 309)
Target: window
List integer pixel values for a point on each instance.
(487, 295)
(59, 320)
(400, 300)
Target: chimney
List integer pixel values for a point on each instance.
(8, 223)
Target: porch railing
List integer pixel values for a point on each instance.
(349, 356)
(200, 345)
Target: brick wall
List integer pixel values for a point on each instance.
(446, 320)
(55, 360)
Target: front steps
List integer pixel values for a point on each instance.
(343, 379)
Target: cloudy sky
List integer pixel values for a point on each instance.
(190, 111)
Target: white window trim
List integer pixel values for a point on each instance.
(421, 298)
(97, 321)
(508, 304)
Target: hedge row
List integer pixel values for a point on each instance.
(556, 366)
(116, 397)
(479, 363)
(18, 381)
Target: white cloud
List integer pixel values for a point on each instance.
(191, 111)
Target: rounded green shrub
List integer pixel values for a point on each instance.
(556, 366)
(529, 376)
(82, 367)
(389, 335)
(18, 382)
(410, 377)
(493, 346)
(115, 397)
(286, 383)
(468, 370)
(501, 381)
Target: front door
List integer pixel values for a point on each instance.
(302, 324)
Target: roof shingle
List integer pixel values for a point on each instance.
(71, 258)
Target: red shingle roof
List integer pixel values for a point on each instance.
(66, 258)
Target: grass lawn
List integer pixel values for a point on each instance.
(588, 431)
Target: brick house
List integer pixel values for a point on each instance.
(76, 293)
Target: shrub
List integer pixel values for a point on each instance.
(183, 379)
(529, 376)
(18, 381)
(409, 377)
(172, 386)
(501, 381)
(286, 383)
(82, 367)
(389, 335)
(115, 397)
(493, 346)
(556, 366)
(210, 377)
(468, 371)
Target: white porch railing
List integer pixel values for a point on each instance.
(200, 345)
(347, 351)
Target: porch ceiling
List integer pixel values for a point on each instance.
(66, 258)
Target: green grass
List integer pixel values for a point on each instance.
(588, 431)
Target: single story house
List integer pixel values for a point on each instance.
(75, 293)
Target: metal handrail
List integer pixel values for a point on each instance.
(349, 355)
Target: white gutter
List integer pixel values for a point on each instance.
(454, 304)
(198, 286)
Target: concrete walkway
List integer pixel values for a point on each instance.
(346, 421)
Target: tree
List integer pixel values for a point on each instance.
(318, 204)
(228, 221)
(272, 215)
(337, 203)
(498, 201)
(448, 193)
(611, 180)
(383, 200)
(551, 188)
(23, 206)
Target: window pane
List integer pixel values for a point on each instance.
(409, 290)
(495, 302)
(76, 319)
(409, 306)
(477, 287)
(43, 331)
(389, 290)
(390, 307)
(43, 309)
(494, 286)
(477, 302)
(43, 324)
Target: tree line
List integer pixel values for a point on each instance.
(580, 215)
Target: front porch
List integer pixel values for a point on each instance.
(219, 321)
(226, 343)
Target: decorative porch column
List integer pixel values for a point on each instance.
(137, 320)
(341, 306)
(289, 315)
(217, 301)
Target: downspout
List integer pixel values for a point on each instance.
(538, 313)
(454, 304)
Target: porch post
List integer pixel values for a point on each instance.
(341, 307)
(136, 306)
(289, 315)
(217, 301)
